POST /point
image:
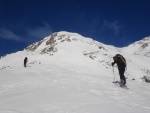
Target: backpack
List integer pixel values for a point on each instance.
(119, 58)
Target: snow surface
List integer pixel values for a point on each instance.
(76, 78)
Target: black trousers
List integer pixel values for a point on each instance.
(25, 63)
(121, 73)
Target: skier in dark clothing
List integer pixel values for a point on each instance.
(121, 63)
(25, 61)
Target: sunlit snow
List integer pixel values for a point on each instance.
(73, 74)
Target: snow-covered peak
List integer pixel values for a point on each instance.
(50, 44)
(143, 41)
(141, 47)
(51, 40)
(69, 73)
(146, 38)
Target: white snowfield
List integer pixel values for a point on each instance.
(68, 73)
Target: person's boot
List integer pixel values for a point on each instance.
(122, 84)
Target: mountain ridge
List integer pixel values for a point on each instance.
(68, 46)
(68, 73)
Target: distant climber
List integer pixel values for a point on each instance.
(121, 63)
(25, 61)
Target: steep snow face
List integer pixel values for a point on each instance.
(141, 47)
(68, 73)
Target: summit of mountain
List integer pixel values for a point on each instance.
(70, 73)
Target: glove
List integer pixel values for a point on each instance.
(112, 63)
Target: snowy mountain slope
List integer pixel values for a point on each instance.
(139, 53)
(68, 73)
(141, 47)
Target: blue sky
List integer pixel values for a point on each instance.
(112, 22)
